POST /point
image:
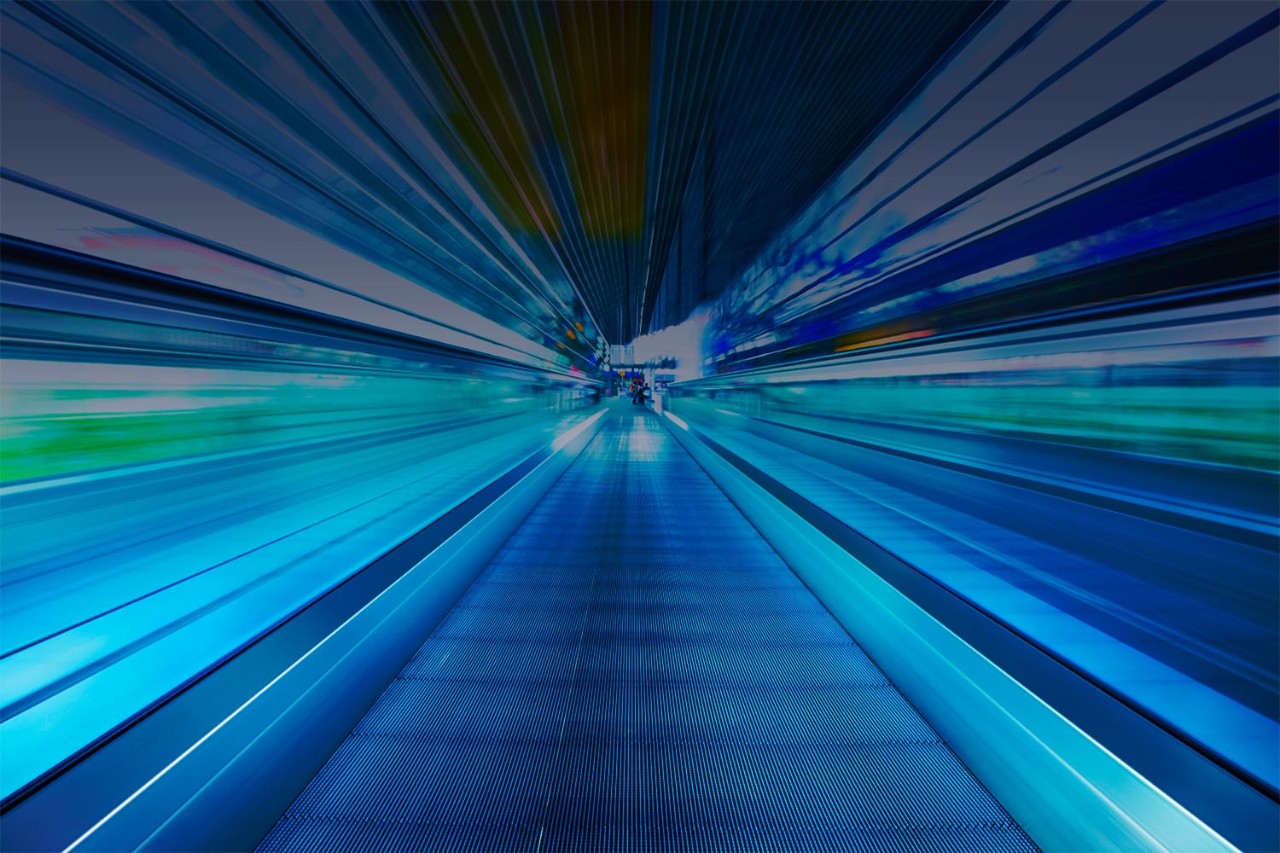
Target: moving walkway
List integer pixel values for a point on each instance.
(627, 641)
(638, 669)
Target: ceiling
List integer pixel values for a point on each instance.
(600, 128)
(580, 173)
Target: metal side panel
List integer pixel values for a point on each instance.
(638, 670)
(239, 769)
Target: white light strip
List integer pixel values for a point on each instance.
(564, 438)
(684, 426)
(156, 778)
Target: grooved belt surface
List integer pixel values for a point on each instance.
(638, 671)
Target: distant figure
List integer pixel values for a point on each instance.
(634, 391)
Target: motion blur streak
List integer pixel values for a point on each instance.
(1100, 468)
(1042, 171)
(216, 483)
(991, 287)
(1028, 339)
